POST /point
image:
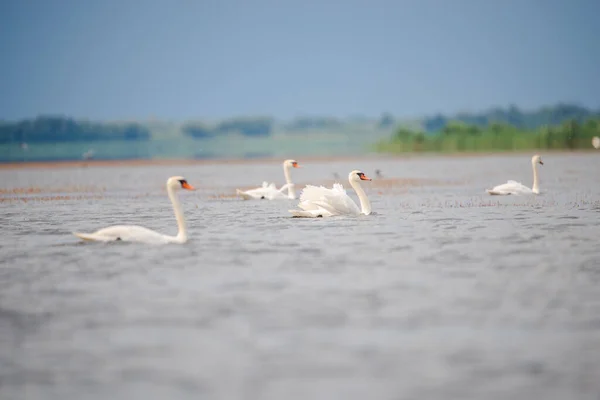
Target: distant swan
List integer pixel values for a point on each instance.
(270, 191)
(132, 233)
(322, 202)
(513, 187)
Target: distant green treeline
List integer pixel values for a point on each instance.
(525, 120)
(458, 136)
(63, 138)
(50, 129)
(257, 126)
(264, 126)
(63, 129)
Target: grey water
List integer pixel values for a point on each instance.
(444, 292)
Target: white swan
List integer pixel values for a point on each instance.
(513, 187)
(322, 202)
(132, 233)
(270, 191)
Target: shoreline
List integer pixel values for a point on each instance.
(241, 161)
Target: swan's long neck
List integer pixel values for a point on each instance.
(288, 180)
(536, 184)
(182, 233)
(365, 204)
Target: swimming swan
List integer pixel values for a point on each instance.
(132, 233)
(270, 191)
(322, 202)
(513, 187)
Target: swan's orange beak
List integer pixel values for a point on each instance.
(363, 177)
(295, 165)
(187, 186)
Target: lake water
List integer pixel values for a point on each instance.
(445, 292)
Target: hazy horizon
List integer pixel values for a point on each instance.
(185, 60)
(286, 119)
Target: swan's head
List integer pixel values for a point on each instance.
(537, 159)
(178, 182)
(357, 175)
(291, 164)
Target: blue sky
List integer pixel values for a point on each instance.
(182, 59)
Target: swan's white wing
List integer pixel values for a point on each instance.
(126, 233)
(275, 195)
(267, 191)
(326, 202)
(309, 199)
(510, 187)
(262, 192)
(250, 194)
(340, 201)
(314, 193)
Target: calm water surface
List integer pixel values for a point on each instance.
(445, 292)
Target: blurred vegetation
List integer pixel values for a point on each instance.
(458, 136)
(253, 127)
(525, 120)
(231, 138)
(62, 129)
(309, 123)
(563, 126)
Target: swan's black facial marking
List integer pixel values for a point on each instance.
(185, 185)
(262, 197)
(362, 176)
(117, 239)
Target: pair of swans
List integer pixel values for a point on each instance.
(270, 191)
(513, 187)
(314, 202)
